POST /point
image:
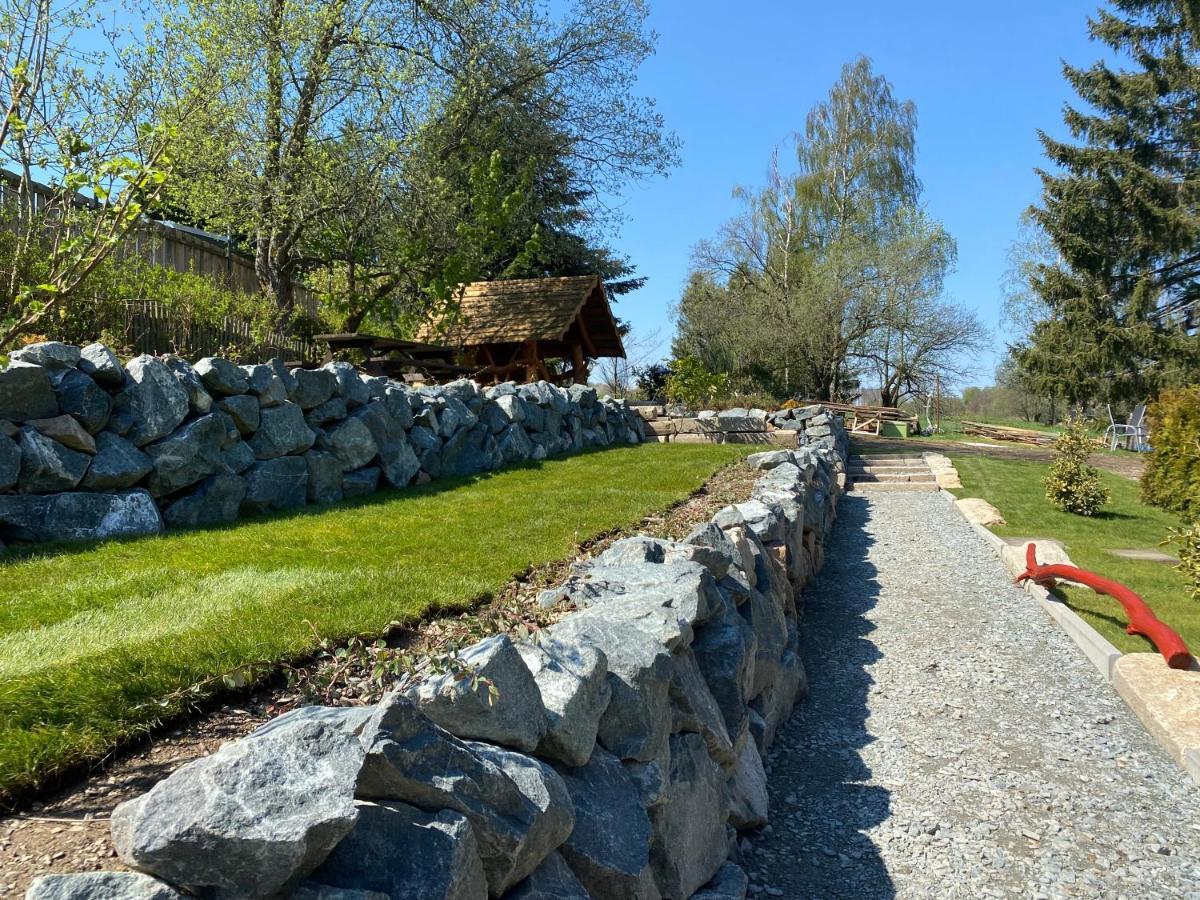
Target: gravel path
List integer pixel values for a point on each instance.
(956, 743)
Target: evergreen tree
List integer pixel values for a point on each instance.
(1121, 211)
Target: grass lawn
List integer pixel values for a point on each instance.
(93, 640)
(1015, 487)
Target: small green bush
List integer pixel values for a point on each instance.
(1188, 542)
(1071, 484)
(693, 385)
(1172, 476)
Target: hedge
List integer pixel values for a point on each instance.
(1172, 476)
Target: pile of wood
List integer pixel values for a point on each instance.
(1004, 433)
(867, 419)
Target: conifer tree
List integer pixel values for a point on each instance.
(1122, 212)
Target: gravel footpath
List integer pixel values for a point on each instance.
(956, 743)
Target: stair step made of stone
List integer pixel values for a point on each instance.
(895, 470)
(885, 477)
(895, 486)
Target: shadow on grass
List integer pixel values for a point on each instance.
(23, 552)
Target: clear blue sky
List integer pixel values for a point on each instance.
(733, 80)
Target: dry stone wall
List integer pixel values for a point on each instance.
(807, 426)
(618, 756)
(91, 448)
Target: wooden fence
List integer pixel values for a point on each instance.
(149, 326)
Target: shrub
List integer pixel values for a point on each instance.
(1188, 542)
(1172, 476)
(1071, 484)
(693, 385)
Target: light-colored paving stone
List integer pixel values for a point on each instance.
(956, 742)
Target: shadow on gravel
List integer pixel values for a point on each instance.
(826, 772)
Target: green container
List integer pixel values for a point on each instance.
(893, 429)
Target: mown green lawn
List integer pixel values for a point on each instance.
(93, 639)
(1015, 488)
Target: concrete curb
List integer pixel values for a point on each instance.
(1104, 656)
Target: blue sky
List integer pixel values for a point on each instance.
(734, 80)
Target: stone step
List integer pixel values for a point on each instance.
(926, 487)
(885, 461)
(893, 470)
(892, 477)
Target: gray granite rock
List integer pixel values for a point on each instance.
(361, 482)
(153, 399)
(637, 720)
(78, 516)
(609, 848)
(117, 465)
(349, 386)
(770, 631)
(713, 549)
(552, 880)
(238, 457)
(25, 393)
(189, 455)
(695, 710)
(216, 499)
(222, 377)
(396, 458)
(464, 453)
(325, 483)
(730, 883)
(746, 787)
(199, 399)
(404, 853)
(351, 442)
(282, 431)
(399, 405)
(411, 759)
(254, 818)
(67, 431)
(102, 364)
(80, 397)
(10, 462)
(726, 648)
(276, 484)
(312, 387)
(49, 354)
(47, 465)
(688, 845)
(244, 410)
(332, 410)
(497, 701)
(101, 886)
(573, 682)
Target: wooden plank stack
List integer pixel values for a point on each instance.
(1005, 433)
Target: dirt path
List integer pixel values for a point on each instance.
(956, 743)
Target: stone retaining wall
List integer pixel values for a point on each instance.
(808, 426)
(616, 756)
(93, 449)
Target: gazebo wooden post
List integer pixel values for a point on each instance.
(531, 361)
(580, 371)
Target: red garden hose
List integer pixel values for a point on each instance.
(1141, 618)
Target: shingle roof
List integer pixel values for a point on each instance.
(542, 309)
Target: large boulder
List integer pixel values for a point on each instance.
(332, 410)
(689, 843)
(609, 848)
(771, 634)
(47, 465)
(189, 455)
(552, 880)
(48, 354)
(26, 393)
(396, 458)
(10, 462)
(78, 516)
(730, 883)
(411, 759)
(489, 695)
(268, 387)
(80, 397)
(282, 431)
(349, 386)
(312, 387)
(399, 403)
(464, 452)
(325, 483)
(245, 412)
(351, 442)
(99, 362)
(199, 398)
(637, 720)
(404, 853)
(67, 431)
(276, 484)
(573, 682)
(361, 482)
(101, 886)
(222, 377)
(694, 708)
(117, 465)
(725, 649)
(153, 400)
(749, 804)
(254, 818)
(216, 499)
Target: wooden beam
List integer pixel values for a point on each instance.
(587, 338)
(579, 367)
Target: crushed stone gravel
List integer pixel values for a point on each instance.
(956, 743)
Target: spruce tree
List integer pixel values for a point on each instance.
(1121, 210)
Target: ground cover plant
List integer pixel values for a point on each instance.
(100, 643)
(1015, 487)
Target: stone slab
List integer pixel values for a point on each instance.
(1145, 556)
(1166, 700)
(979, 511)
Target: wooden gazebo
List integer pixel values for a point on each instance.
(508, 330)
